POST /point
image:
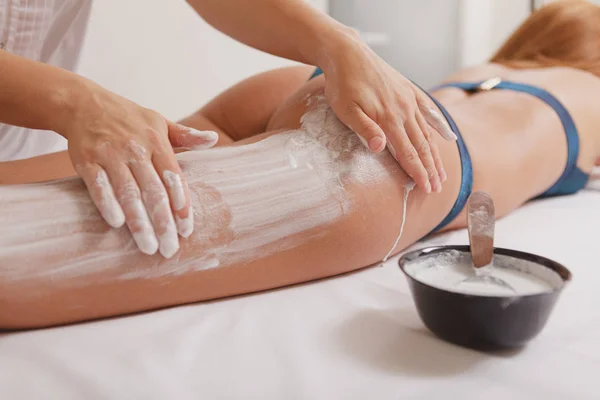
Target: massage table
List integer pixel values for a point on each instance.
(357, 336)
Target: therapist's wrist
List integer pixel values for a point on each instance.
(318, 35)
(72, 94)
(341, 42)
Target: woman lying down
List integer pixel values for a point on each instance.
(298, 197)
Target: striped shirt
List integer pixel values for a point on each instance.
(49, 31)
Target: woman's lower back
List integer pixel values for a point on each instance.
(517, 141)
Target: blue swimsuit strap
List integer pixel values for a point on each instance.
(316, 72)
(570, 129)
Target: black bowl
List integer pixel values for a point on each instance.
(480, 321)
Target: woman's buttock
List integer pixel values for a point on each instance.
(289, 115)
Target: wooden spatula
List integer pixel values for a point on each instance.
(481, 218)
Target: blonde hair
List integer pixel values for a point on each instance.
(563, 33)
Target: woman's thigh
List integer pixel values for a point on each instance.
(245, 109)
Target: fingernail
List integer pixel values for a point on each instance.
(144, 232)
(363, 141)
(169, 243)
(211, 138)
(376, 144)
(439, 123)
(427, 187)
(113, 215)
(448, 134)
(146, 241)
(437, 186)
(185, 226)
(174, 182)
(443, 174)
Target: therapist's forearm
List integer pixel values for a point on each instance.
(292, 29)
(36, 95)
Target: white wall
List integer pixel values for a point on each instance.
(486, 24)
(421, 36)
(429, 39)
(163, 56)
(508, 15)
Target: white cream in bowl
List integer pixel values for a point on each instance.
(448, 271)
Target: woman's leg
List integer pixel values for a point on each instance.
(245, 109)
(36, 169)
(289, 208)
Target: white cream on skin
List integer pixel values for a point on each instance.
(138, 150)
(450, 269)
(210, 138)
(168, 239)
(249, 201)
(185, 226)
(410, 186)
(109, 207)
(156, 221)
(174, 182)
(141, 228)
(150, 220)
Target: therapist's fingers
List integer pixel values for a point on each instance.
(429, 161)
(172, 178)
(396, 138)
(435, 120)
(185, 137)
(156, 200)
(390, 131)
(439, 165)
(129, 197)
(406, 145)
(368, 131)
(102, 193)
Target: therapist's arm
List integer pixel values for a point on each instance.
(292, 29)
(35, 95)
(369, 96)
(121, 150)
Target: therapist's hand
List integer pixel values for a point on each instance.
(384, 108)
(124, 153)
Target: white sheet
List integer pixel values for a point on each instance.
(353, 337)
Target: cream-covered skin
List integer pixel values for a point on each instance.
(249, 201)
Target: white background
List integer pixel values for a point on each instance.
(163, 56)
